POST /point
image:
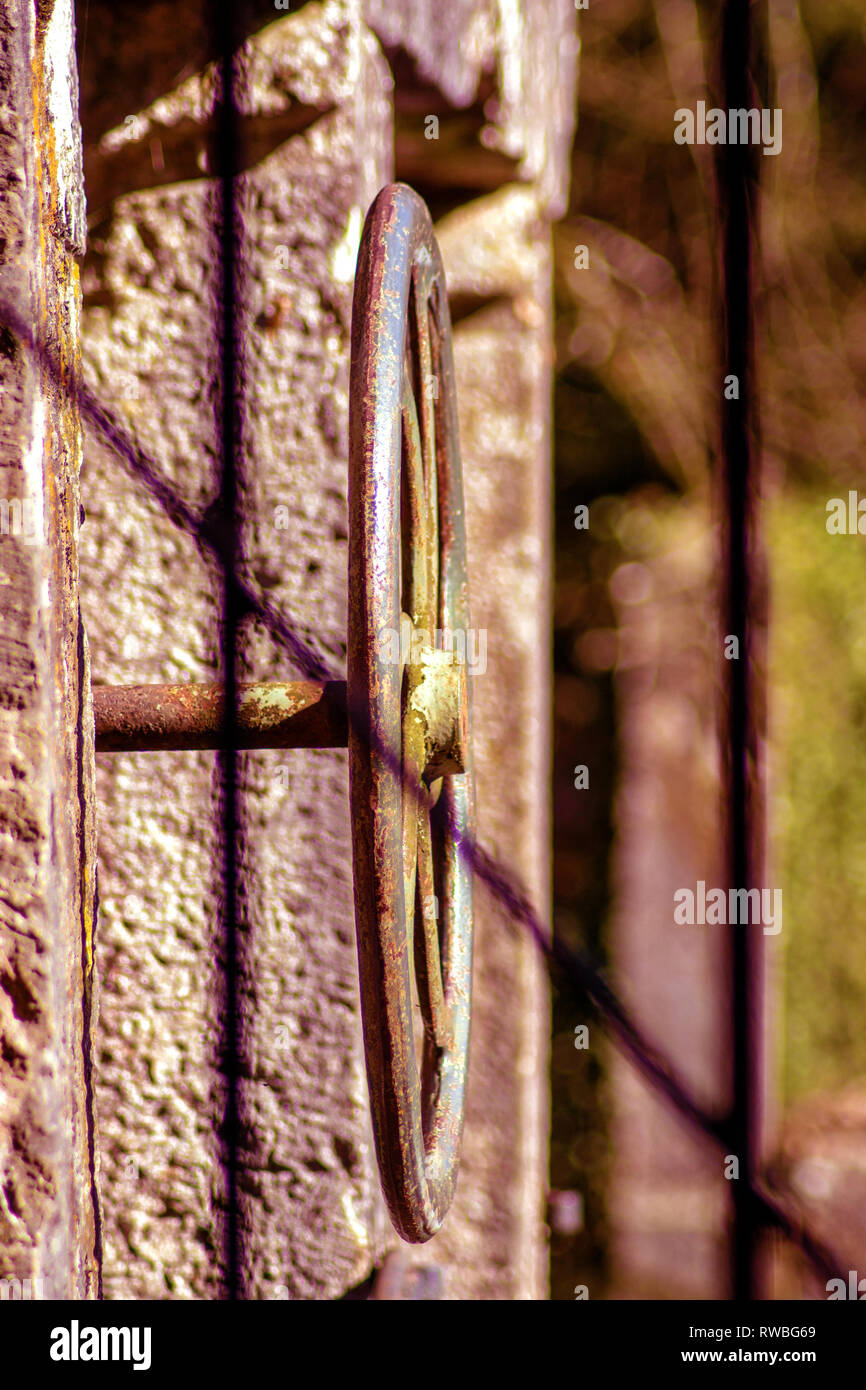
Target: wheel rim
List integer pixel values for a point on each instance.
(407, 565)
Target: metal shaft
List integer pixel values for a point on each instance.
(154, 718)
(745, 618)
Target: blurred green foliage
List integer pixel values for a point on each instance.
(818, 812)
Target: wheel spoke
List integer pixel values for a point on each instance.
(418, 600)
(428, 961)
(429, 387)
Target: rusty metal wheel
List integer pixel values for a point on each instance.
(407, 586)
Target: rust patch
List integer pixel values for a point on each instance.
(150, 718)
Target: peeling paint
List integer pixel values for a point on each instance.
(345, 253)
(356, 1226)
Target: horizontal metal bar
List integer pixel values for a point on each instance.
(159, 718)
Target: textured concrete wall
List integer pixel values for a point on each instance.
(311, 1211)
(48, 1217)
(523, 54)
(317, 134)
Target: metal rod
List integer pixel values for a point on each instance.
(744, 614)
(158, 718)
(230, 227)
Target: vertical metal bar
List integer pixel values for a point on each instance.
(228, 136)
(737, 189)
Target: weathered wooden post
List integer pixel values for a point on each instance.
(49, 1224)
